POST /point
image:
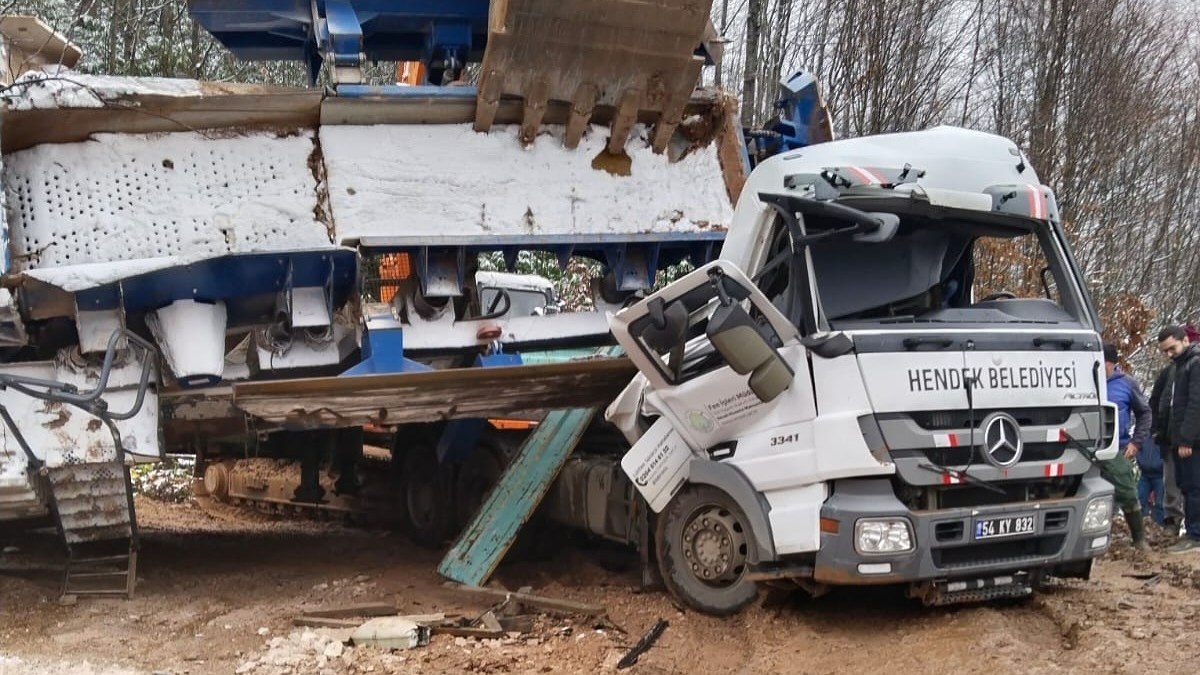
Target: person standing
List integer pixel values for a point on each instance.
(1133, 426)
(1150, 481)
(1161, 396)
(1182, 428)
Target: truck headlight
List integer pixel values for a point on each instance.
(890, 535)
(1098, 514)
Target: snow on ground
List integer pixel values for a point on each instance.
(150, 201)
(452, 180)
(59, 87)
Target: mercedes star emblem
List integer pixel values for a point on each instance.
(1002, 443)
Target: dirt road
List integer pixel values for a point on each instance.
(219, 590)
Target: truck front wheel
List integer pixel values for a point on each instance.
(703, 542)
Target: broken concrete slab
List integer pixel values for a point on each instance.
(391, 632)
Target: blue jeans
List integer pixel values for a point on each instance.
(1146, 485)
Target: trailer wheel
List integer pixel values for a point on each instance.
(426, 494)
(703, 542)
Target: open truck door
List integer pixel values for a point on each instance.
(718, 358)
(727, 374)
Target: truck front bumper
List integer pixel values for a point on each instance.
(945, 544)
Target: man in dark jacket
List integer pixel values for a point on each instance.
(1133, 428)
(1179, 403)
(1161, 396)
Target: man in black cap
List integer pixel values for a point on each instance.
(1179, 402)
(1133, 427)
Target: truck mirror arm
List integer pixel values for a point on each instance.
(875, 227)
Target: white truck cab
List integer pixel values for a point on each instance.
(892, 375)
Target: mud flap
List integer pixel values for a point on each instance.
(1080, 569)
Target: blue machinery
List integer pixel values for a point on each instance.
(442, 34)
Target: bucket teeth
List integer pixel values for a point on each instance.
(631, 57)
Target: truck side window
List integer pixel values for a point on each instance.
(774, 278)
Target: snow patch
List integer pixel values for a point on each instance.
(124, 204)
(60, 87)
(424, 182)
(90, 275)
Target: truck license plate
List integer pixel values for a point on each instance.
(1004, 526)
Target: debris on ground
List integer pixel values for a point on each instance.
(391, 632)
(643, 645)
(212, 578)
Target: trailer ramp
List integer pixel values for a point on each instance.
(482, 545)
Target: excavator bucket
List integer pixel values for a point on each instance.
(637, 57)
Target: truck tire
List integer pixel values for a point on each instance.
(426, 495)
(477, 475)
(703, 542)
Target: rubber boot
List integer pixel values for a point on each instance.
(1137, 529)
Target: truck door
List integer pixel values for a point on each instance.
(728, 370)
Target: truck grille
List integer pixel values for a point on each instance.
(998, 552)
(1056, 520)
(936, 420)
(1033, 452)
(951, 531)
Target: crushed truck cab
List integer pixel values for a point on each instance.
(892, 375)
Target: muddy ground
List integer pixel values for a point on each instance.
(219, 589)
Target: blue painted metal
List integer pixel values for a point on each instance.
(792, 127)
(482, 545)
(341, 33)
(436, 32)
(460, 437)
(383, 353)
(242, 281)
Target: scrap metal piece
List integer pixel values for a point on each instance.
(643, 645)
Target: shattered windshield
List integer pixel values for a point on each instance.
(944, 270)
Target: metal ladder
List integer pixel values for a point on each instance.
(93, 505)
(91, 497)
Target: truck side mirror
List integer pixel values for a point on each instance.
(668, 325)
(736, 337)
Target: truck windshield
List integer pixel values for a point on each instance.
(947, 271)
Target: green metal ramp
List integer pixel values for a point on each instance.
(482, 545)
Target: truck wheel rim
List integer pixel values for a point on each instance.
(714, 546)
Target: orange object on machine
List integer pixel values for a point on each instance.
(512, 425)
(392, 267)
(411, 73)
